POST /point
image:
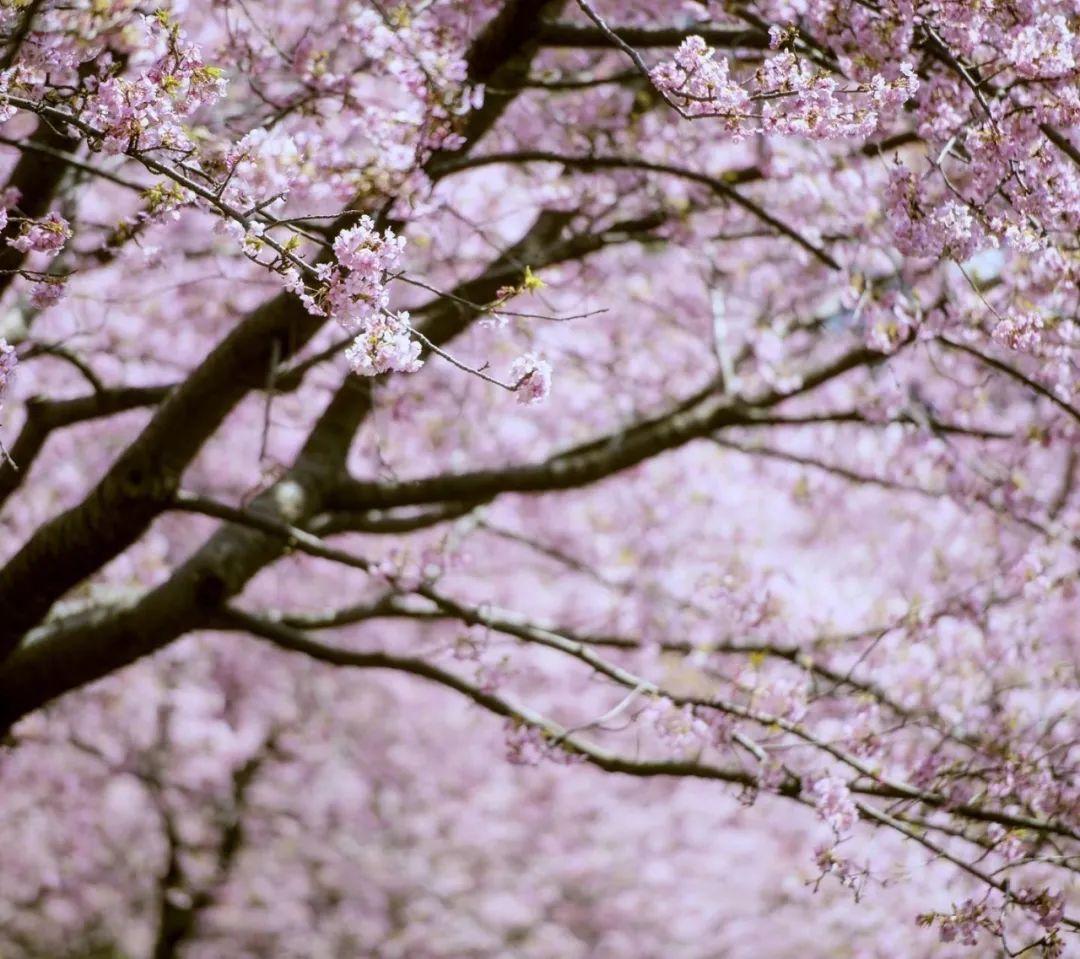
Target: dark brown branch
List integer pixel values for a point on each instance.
(37, 177)
(501, 57)
(1062, 142)
(61, 156)
(589, 462)
(861, 419)
(91, 646)
(879, 785)
(44, 416)
(395, 606)
(1015, 374)
(384, 522)
(735, 177)
(723, 38)
(144, 478)
(293, 536)
(178, 920)
(295, 641)
(20, 33)
(719, 186)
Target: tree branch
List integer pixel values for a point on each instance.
(89, 647)
(560, 34)
(590, 462)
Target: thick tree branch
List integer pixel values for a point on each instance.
(141, 482)
(501, 57)
(721, 187)
(93, 646)
(44, 416)
(590, 462)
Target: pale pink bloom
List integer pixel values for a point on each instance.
(45, 235)
(531, 377)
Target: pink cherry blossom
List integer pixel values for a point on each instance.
(384, 344)
(531, 377)
(834, 804)
(47, 293)
(46, 235)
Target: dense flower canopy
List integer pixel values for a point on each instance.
(578, 478)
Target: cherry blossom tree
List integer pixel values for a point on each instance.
(580, 478)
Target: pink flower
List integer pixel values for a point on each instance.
(48, 292)
(924, 226)
(46, 235)
(265, 164)
(385, 345)
(354, 293)
(362, 250)
(700, 83)
(834, 804)
(1019, 331)
(7, 111)
(798, 98)
(965, 923)
(1044, 48)
(531, 377)
(525, 745)
(827, 860)
(1046, 908)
